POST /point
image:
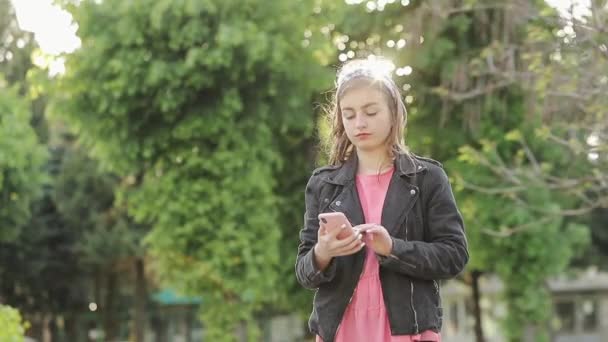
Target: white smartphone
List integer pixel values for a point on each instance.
(335, 220)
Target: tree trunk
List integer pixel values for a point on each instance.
(109, 326)
(189, 319)
(475, 275)
(47, 335)
(71, 325)
(35, 330)
(140, 300)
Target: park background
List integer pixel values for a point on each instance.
(152, 176)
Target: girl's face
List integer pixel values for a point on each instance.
(366, 117)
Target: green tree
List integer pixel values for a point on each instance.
(43, 276)
(473, 96)
(16, 47)
(13, 327)
(193, 104)
(38, 269)
(551, 170)
(106, 238)
(21, 163)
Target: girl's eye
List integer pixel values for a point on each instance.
(372, 114)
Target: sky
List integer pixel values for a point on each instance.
(55, 32)
(52, 26)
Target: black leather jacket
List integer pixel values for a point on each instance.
(429, 244)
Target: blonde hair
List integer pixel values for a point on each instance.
(351, 73)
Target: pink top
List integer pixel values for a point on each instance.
(365, 318)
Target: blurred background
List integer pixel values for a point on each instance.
(154, 153)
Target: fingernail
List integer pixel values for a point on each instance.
(363, 244)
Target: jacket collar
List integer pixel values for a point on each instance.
(406, 165)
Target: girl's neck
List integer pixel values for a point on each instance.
(373, 162)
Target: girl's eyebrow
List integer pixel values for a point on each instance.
(363, 107)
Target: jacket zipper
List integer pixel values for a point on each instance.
(412, 291)
(413, 309)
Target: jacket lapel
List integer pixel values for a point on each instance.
(400, 197)
(348, 202)
(402, 194)
(348, 199)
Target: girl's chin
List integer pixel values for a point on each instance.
(368, 146)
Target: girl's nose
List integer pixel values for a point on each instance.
(360, 122)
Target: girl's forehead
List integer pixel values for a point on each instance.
(362, 95)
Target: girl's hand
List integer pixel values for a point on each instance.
(328, 245)
(376, 237)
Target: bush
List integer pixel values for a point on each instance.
(12, 327)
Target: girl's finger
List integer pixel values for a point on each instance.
(354, 249)
(366, 238)
(322, 230)
(345, 243)
(348, 243)
(365, 227)
(335, 232)
(374, 230)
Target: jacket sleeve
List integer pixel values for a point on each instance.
(445, 253)
(307, 272)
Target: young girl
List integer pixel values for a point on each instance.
(380, 284)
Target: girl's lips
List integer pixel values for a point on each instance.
(362, 135)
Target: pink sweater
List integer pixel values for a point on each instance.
(365, 318)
